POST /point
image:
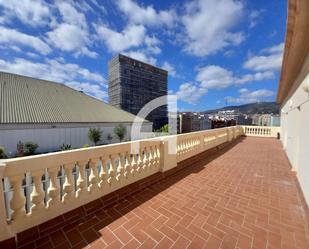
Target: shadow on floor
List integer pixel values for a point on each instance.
(81, 227)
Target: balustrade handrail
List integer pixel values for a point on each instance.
(17, 165)
(261, 131)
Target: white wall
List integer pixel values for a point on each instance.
(50, 139)
(295, 134)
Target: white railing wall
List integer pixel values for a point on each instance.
(38, 188)
(261, 131)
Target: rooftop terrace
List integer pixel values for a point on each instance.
(242, 196)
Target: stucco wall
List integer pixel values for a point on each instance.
(51, 137)
(295, 130)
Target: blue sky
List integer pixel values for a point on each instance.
(216, 51)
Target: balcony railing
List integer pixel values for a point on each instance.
(261, 131)
(38, 188)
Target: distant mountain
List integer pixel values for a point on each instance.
(261, 108)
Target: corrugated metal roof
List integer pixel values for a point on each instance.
(28, 100)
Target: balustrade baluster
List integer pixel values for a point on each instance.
(37, 195)
(102, 175)
(139, 162)
(180, 148)
(158, 152)
(68, 184)
(93, 178)
(81, 181)
(155, 157)
(111, 171)
(145, 159)
(119, 167)
(53, 190)
(150, 158)
(133, 164)
(127, 165)
(18, 200)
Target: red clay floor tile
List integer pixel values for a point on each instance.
(245, 196)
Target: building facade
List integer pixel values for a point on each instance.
(293, 93)
(190, 122)
(132, 84)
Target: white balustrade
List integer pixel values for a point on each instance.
(191, 144)
(76, 177)
(261, 131)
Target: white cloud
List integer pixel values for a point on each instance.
(13, 37)
(216, 77)
(87, 52)
(260, 63)
(170, 68)
(98, 6)
(31, 12)
(72, 34)
(270, 60)
(67, 37)
(258, 76)
(247, 96)
(70, 15)
(152, 44)
(274, 49)
(229, 53)
(58, 71)
(209, 25)
(141, 56)
(146, 15)
(255, 17)
(131, 36)
(190, 92)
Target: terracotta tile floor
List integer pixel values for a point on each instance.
(242, 197)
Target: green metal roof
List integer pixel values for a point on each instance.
(28, 100)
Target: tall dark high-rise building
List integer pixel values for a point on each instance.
(132, 84)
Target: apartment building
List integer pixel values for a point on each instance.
(132, 84)
(192, 121)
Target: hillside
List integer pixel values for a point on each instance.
(261, 107)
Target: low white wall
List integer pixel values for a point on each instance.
(295, 133)
(51, 137)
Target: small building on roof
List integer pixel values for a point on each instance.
(51, 114)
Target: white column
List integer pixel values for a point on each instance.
(169, 160)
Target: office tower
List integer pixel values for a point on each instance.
(132, 84)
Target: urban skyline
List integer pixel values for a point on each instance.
(237, 59)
